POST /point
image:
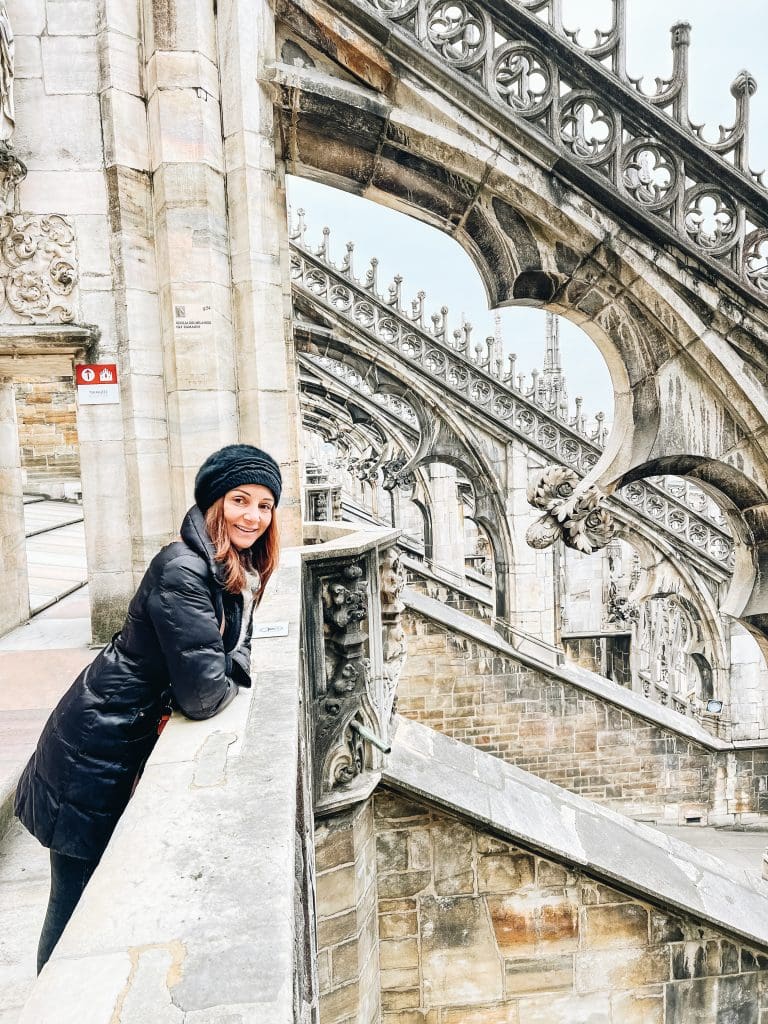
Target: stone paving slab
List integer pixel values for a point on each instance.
(41, 515)
(38, 661)
(56, 563)
(24, 876)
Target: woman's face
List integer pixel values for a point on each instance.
(248, 511)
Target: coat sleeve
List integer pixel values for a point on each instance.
(241, 658)
(182, 612)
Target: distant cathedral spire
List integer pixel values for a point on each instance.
(553, 376)
(552, 362)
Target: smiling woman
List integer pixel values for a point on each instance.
(185, 644)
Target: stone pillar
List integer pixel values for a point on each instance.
(448, 536)
(267, 392)
(534, 571)
(131, 327)
(14, 584)
(186, 162)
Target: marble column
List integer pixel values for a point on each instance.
(190, 219)
(14, 583)
(447, 517)
(265, 362)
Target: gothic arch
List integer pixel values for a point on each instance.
(533, 244)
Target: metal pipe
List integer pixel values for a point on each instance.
(366, 734)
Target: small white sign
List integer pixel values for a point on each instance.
(192, 317)
(265, 629)
(97, 384)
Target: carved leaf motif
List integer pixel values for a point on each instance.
(38, 269)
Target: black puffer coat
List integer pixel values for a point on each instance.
(170, 651)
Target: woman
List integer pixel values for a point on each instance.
(185, 643)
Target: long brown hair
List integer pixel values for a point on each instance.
(262, 557)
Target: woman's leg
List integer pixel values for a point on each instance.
(69, 876)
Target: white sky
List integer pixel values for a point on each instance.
(725, 38)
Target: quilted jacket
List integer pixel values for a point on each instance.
(171, 652)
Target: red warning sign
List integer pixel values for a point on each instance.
(97, 384)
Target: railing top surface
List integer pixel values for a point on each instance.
(639, 151)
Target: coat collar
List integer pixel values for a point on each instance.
(195, 535)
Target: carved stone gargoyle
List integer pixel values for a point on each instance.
(578, 518)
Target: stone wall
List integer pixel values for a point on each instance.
(607, 655)
(347, 936)
(556, 730)
(477, 931)
(47, 419)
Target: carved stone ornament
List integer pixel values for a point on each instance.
(621, 611)
(12, 173)
(394, 475)
(38, 269)
(342, 684)
(392, 577)
(357, 608)
(579, 519)
(7, 61)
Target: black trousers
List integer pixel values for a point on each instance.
(69, 876)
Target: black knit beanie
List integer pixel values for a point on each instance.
(233, 466)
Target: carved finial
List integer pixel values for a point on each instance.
(371, 274)
(743, 85)
(440, 320)
(578, 420)
(346, 264)
(467, 328)
(479, 354)
(417, 308)
(512, 363)
(394, 291)
(322, 249)
(458, 339)
(301, 226)
(681, 34)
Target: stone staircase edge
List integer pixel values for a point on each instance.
(675, 877)
(625, 700)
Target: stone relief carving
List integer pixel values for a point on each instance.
(345, 608)
(394, 475)
(392, 575)
(621, 610)
(344, 598)
(355, 681)
(579, 519)
(38, 269)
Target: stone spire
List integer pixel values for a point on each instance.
(552, 362)
(553, 378)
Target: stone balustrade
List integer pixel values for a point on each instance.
(201, 907)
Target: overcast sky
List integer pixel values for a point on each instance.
(726, 37)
